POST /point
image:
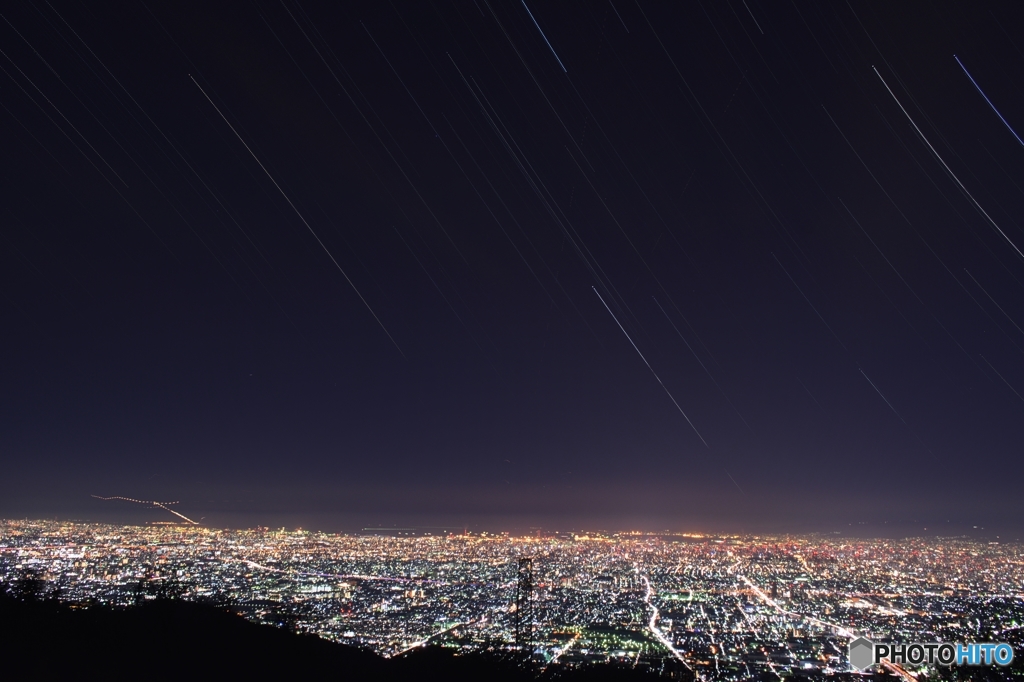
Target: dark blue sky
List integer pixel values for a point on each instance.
(836, 318)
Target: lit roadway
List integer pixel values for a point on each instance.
(343, 576)
(652, 624)
(424, 642)
(840, 630)
(561, 652)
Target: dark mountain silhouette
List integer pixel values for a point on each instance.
(169, 639)
(172, 639)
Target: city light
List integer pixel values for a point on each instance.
(725, 608)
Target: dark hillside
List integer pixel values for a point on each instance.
(172, 639)
(164, 640)
(169, 639)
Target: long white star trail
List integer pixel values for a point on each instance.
(301, 217)
(545, 37)
(948, 169)
(655, 374)
(982, 93)
(881, 395)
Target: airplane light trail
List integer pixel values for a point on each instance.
(162, 505)
(131, 499)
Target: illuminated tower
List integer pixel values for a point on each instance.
(524, 608)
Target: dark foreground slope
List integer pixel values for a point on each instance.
(168, 639)
(178, 640)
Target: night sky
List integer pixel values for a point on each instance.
(405, 264)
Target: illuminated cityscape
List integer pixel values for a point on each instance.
(577, 341)
(711, 607)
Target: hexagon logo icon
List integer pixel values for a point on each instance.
(862, 653)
